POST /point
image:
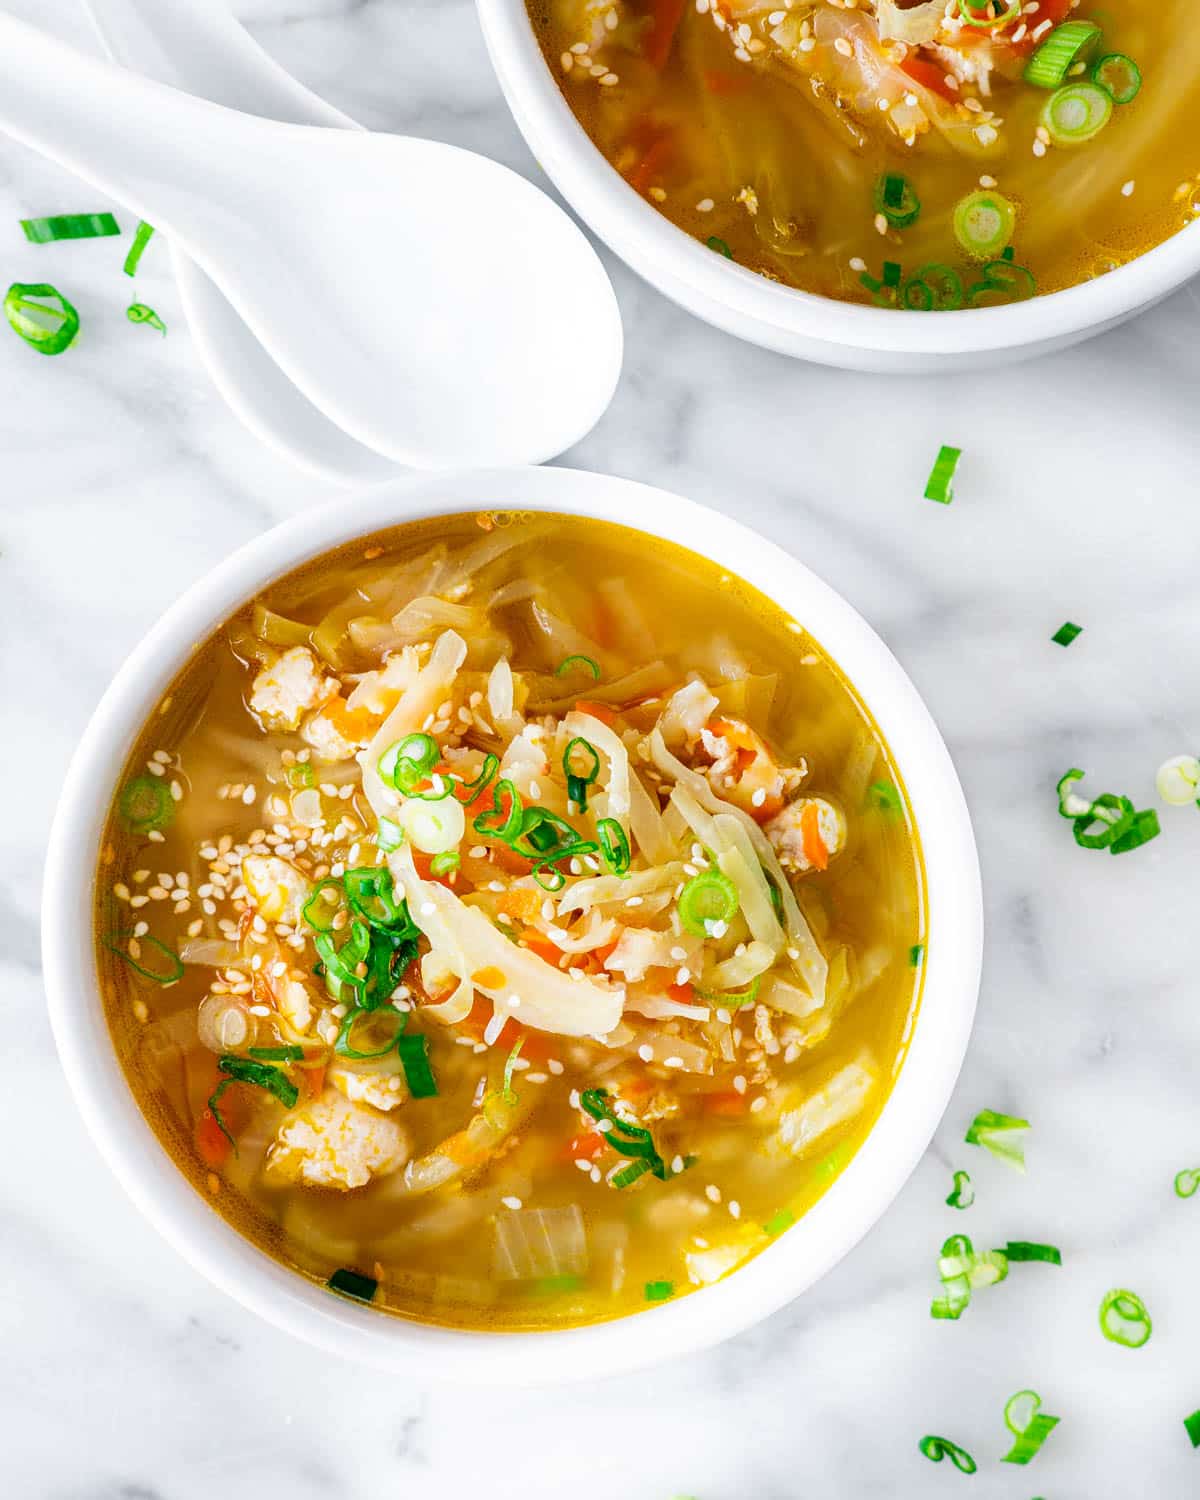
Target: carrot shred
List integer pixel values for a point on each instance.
(930, 76)
(682, 994)
(600, 711)
(726, 1102)
(810, 834)
(660, 38)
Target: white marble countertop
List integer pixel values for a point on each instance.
(126, 1377)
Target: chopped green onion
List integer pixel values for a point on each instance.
(1070, 804)
(586, 662)
(1119, 76)
(962, 1194)
(780, 1221)
(1066, 44)
(983, 223)
(70, 227)
(502, 822)
(353, 1284)
(301, 775)
(578, 781)
(707, 898)
(138, 312)
(1020, 1250)
(1076, 113)
(41, 315)
(962, 1269)
(261, 1075)
(629, 1174)
(1178, 780)
(344, 1047)
(318, 911)
(1187, 1181)
(414, 1054)
(1192, 1424)
(940, 484)
(1145, 826)
(1030, 1429)
(120, 946)
(937, 1448)
(408, 761)
(371, 895)
(659, 1291)
(1066, 633)
(1124, 1319)
(731, 999)
(714, 242)
(434, 824)
(1003, 282)
(551, 1286)
(934, 288)
(614, 846)
(915, 954)
(277, 1054)
(388, 835)
(1002, 1135)
(892, 272)
(145, 233)
(444, 864)
(626, 1137)
(896, 200)
(969, 11)
(146, 804)
(885, 796)
(508, 1093)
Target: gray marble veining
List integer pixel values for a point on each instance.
(125, 1377)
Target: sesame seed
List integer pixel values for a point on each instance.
(713, 1193)
(513, 1203)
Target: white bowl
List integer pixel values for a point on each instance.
(778, 317)
(790, 1264)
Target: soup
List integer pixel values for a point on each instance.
(929, 155)
(510, 921)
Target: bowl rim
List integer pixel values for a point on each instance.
(781, 1271)
(659, 250)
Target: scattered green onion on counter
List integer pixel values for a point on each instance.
(937, 1448)
(1028, 1250)
(1066, 45)
(962, 1194)
(138, 312)
(70, 227)
(940, 484)
(42, 316)
(1077, 113)
(145, 233)
(983, 223)
(1187, 1181)
(584, 663)
(896, 200)
(1002, 1135)
(1066, 633)
(1178, 780)
(1124, 1319)
(1029, 1426)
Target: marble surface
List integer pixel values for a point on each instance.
(126, 1377)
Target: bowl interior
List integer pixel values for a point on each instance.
(781, 1271)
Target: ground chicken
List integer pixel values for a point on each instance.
(285, 691)
(807, 833)
(334, 1143)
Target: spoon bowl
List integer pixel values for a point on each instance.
(428, 300)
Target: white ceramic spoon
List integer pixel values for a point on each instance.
(432, 303)
(197, 46)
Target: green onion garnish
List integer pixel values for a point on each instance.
(896, 200)
(1066, 44)
(1003, 282)
(70, 227)
(261, 1075)
(1124, 1319)
(708, 898)
(581, 766)
(1019, 1250)
(1119, 76)
(714, 242)
(659, 1291)
(277, 1054)
(318, 911)
(629, 1174)
(1187, 1181)
(1002, 1135)
(1077, 113)
(138, 312)
(962, 1269)
(731, 999)
(171, 975)
(962, 1194)
(1110, 822)
(300, 776)
(626, 1137)
(41, 315)
(407, 762)
(937, 1448)
(940, 484)
(780, 1221)
(388, 835)
(1066, 633)
(414, 1054)
(969, 12)
(343, 1045)
(1178, 780)
(885, 796)
(507, 1092)
(503, 820)
(145, 233)
(892, 272)
(934, 288)
(915, 954)
(1024, 1419)
(614, 846)
(587, 663)
(983, 223)
(443, 864)
(146, 804)
(371, 895)
(1192, 1424)
(353, 1284)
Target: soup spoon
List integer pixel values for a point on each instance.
(197, 46)
(432, 303)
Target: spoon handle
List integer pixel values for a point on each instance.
(198, 46)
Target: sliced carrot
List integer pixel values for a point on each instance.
(660, 38)
(211, 1145)
(726, 1102)
(353, 724)
(584, 1147)
(538, 943)
(930, 76)
(810, 834)
(683, 994)
(314, 1080)
(520, 902)
(600, 711)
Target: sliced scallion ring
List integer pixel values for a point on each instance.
(146, 804)
(1108, 818)
(1030, 1250)
(320, 909)
(407, 762)
(581, 663)
(1066, 45)
(1070, 803)
(1030, 1428)
(41, 315)
(1178, 780)
(414, 1056)
(614, 846)
(138, 312)
(1002, 1135)
(1119, 76)
(708, 897)
(1145, 826)
(983, 223)
(1003, 282)
(934, 288)
(937, 1448)
(940, 484)
(1192, 1424)
(896, 199)
(962, 1195)
(1066, 633)
(731, 999)
(145, 233)
(445, 864)
(1124, 1319)
(1076, 113)
(581, 766)
(433, 826)
(121, 943)
(1006, 10)
(353, 1284)
(1187, 1181)
(69, 227)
